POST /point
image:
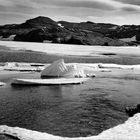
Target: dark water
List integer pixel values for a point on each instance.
(25, 56)
(73, 110)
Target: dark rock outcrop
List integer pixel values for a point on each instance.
(8, 137)
(33, 36)
(138, 36)
(131, 111)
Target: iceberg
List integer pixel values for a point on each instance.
(58, 73)
(60, 69)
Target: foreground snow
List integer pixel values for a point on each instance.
(130, 130)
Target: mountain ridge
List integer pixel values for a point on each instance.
(41, 29)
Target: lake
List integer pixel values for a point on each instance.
(70, 110)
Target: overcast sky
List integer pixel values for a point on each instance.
(108, 11)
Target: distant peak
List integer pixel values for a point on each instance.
(90, 22)
(40, 19)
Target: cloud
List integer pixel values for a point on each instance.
(6, 3)
(71, 10)
(13, 3)
(132, 2)
(130, 9)
(117, 19)
(17, 7)
(90, 4)
(103, 5)
(129, 5)
(97, 4)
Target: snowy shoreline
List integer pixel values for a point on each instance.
(19, 66)
(129, 130)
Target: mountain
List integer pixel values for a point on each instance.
(44, 29)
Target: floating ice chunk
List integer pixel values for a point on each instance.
(53, 81)
(60, 69)
(116, 66)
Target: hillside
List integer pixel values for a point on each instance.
(44, 29)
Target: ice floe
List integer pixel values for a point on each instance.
(116, 66)
(16, 66)
(54, 81)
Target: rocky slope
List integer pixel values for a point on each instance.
(44, 29)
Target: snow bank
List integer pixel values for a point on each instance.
(59, 24)
(10, 38)
(129, 39)
(15, 66)
(130, 130)
(2, 84)
(77, 50)
(116, 66)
